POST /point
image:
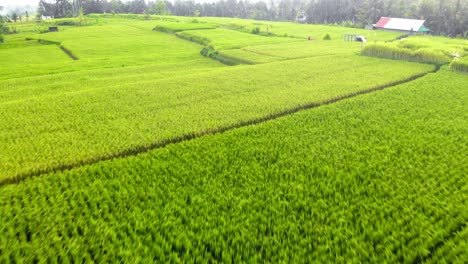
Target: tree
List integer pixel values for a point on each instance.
(45, 9)
(147, 13)
(160, 8)
(137, 6)
(14, 16)
(1, 26)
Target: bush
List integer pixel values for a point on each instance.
(256, 30)
(390, 51)
(1, 38)
(327, 37)
(460, 65)
(66, 23)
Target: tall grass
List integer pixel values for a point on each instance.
(425, 55)
(426, 49)
(460, 65)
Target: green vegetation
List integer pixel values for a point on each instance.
(246, 56)
(77, 122)
(425, 49)
(98, 47)
(221, 39)
(304, 49)
(369, 179)
(460, 65)
(143, 150)
(172, 27)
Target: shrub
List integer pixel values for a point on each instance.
(387, 50)
(256, 30)
(460, 65)
(66, 23)
(327, 37)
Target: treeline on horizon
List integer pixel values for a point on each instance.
(443, 17)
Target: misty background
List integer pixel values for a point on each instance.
(443, 17)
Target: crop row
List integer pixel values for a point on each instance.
(305, 49)
(460, 65)
(385, 50)
(378, 178)
(221, 39)
(299, 31)
(247, 57)
(173, 27)
(421, 49)
(103, 47)
(71, 127)
(283, 51)
(50, 85)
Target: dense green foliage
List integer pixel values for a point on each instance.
(96, 162)
(442, 17)
(378, 178)
(85, 120)
(460, 65)
(98, 47)
(246, 56)
(425, 49)
(220, 39)
(172, 27)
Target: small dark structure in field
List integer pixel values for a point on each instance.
(361, 39)
(354, 37)
(408, 26)
(349, 37)
(53, 29)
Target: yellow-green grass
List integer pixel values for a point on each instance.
(107, 46)
(248, 57)
(20, 89)
(425, 49)
(220, 39)
(302, 31)
(34, 55)
(460, 65)
(380, 178)
(307, 48)
(69, 127)
(172, 27)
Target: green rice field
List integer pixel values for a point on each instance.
(174, 140)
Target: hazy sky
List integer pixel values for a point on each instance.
(9, 4)
(18, 2)
(21, 2)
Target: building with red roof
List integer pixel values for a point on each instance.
(409, 26)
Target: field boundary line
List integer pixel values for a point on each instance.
(58, 44)
(262, 53)
(433, 249)
(209, 131)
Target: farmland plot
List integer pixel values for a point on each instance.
(370, 179)
(75, 127)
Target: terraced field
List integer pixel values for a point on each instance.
(148, 149)
(348, 181)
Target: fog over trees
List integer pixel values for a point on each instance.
(444, 17)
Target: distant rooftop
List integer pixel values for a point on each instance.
(402, 24)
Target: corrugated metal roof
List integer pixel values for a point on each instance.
(400, 24)
(381, 23)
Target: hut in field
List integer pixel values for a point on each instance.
(407, 26)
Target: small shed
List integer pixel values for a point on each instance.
(404, 25)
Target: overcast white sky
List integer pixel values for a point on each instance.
(18, 2)
(23, 2)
